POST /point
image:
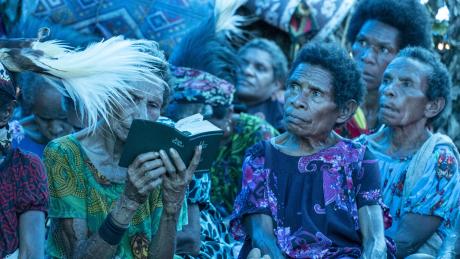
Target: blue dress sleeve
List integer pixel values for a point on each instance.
(437, 191)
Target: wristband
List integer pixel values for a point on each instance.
(110, 232)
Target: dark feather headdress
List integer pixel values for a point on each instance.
(207, 47)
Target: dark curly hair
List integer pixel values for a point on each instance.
(347, 83)
(410, 17)
(439, 81)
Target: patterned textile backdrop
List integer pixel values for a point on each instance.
(165, 21)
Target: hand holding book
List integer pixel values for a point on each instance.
(177, 178)
(184, 136)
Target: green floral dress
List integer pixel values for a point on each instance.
(78, 190)
(226, 171)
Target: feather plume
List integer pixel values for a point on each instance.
(202, 49)
(98, 78)
(227, 19)
(52, 48)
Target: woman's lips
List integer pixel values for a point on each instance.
(385, 108)
(368, 77)
(244, 82)
(295, 119)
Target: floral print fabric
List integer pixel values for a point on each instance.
(226, 170)
(195, 86)
(435, 194)
(215, 239)
(313, 200)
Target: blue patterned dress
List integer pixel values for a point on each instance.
(435, 193)
(215, 239)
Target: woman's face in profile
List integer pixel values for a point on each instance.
(310, 110)
(147, 102)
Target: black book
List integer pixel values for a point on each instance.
(146, 136)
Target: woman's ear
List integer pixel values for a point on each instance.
(434, 107)
(347, 111)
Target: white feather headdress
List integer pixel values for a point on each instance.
(98, 78)
(228, 21)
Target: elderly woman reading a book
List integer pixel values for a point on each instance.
(309, 193)
(100, 210)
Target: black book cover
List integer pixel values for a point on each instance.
(146, 136)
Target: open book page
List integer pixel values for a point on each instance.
(195, 125)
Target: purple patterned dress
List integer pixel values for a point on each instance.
(314, 200)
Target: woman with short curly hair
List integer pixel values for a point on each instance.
(309, 193)
(420, 177)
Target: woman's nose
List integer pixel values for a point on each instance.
(388, 90)
(55, 127)
(368, 55)
(298, 103)
(141, 112)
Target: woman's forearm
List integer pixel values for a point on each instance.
(188, 239)
(372, 230)
(267, 245)
(163, 243)
(410, 236)
(260, 229)
(97, 245)
(374, 249)
(32, 235)
(94, 247)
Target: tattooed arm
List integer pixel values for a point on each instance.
(144, 175)
(175, 183)
(73, 236)
(73, 233)
(188, 240)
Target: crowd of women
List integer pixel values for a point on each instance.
(330, 156)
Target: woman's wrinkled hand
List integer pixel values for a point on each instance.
(177, 178)
(144, 175)
(255, 253)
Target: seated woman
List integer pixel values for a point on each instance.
(240, 132)
(23, 185)
(204, 65)
(99, 209)
(260, 78)
(48, 119)
(205, 236)
(309, 193)
(419, 169)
